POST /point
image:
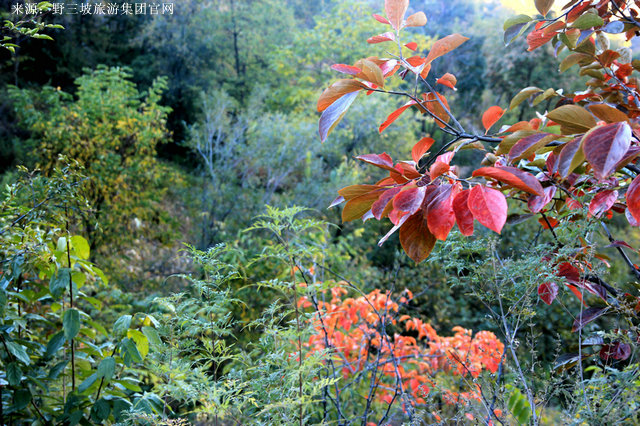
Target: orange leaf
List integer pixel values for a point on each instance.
(448, 80)
(370, 72)
(412, 46)
(436, 109)
(394, 115)
(395, 10)
(445, 45)
(491, 116)
(388, 36)
(421, 147)
(336, 91)
(514, 177)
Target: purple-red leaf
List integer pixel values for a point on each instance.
(464, 217)
(602, 202)
(536, 203)
(587, 316)
(383, 161)
(633, 199)
(605, 146)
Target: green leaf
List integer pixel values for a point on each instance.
(42, 36)
(57, 369)
(152, 335)
(21, 398)
(515, 20)
(14, 373)
(100, 410)
(141, 341)
(130, 352)
(522, 95)
(121, 325)
(71, 323)
(514, 32)
(59, 282)
(55, 343)
(19, 352)
(88, 382)
(587, 21)
(80, 246)
(107, 368)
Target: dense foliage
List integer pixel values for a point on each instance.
(154, 271)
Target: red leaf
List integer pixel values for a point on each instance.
(576, 292)
(440, 215)
(445, 45)
(416, 239)
(383, 205)
(333, 114)
(569, 158)
(420, 148)
(587, 316)
(388, 36)
(529, 145)
(383, 160)
(633, 199)
(617, 350)
(548, 292)
(536, 203)
(413, 46)
(619, 243)
(488, 206)
(602, 202)
(346, 69)
(448, 80)
(605, 146)
(632, 220)
(513, 177)
(437, 169)
(410, 199)
(394, 115)
(381, 19)
(550, 223)
(537, 38)
(491, 116)
(464, 217)
(395, 10)
(568, 271)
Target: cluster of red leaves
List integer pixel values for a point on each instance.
(351, 329)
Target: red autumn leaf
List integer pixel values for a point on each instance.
(464, 217)
(536, 202)
(529, 145)
(346, 69)
(633, 199)
(381, 19)
(605, 146)
(488, 206)
(445, 45)
(586, 316)
(513, 177)
(549, 223)
(395, 10)
(568, 271)
(602, 202)
(437, 169)
(416, 239)
(395, 114)
(336, 91)
(491, 116)
(410, 199)
(632, 220)
(617, 350)
(332, 115)
(381, 38)
(383, 205)
(412, 46)
(569, 158)
(440, 215)
(436, 109)
(407, 170)
(420, 148)
(619, 243)
(384, 161)
(448, 80)
(537, 38)
(548, 292)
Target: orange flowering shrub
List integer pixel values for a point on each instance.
(365, 335)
